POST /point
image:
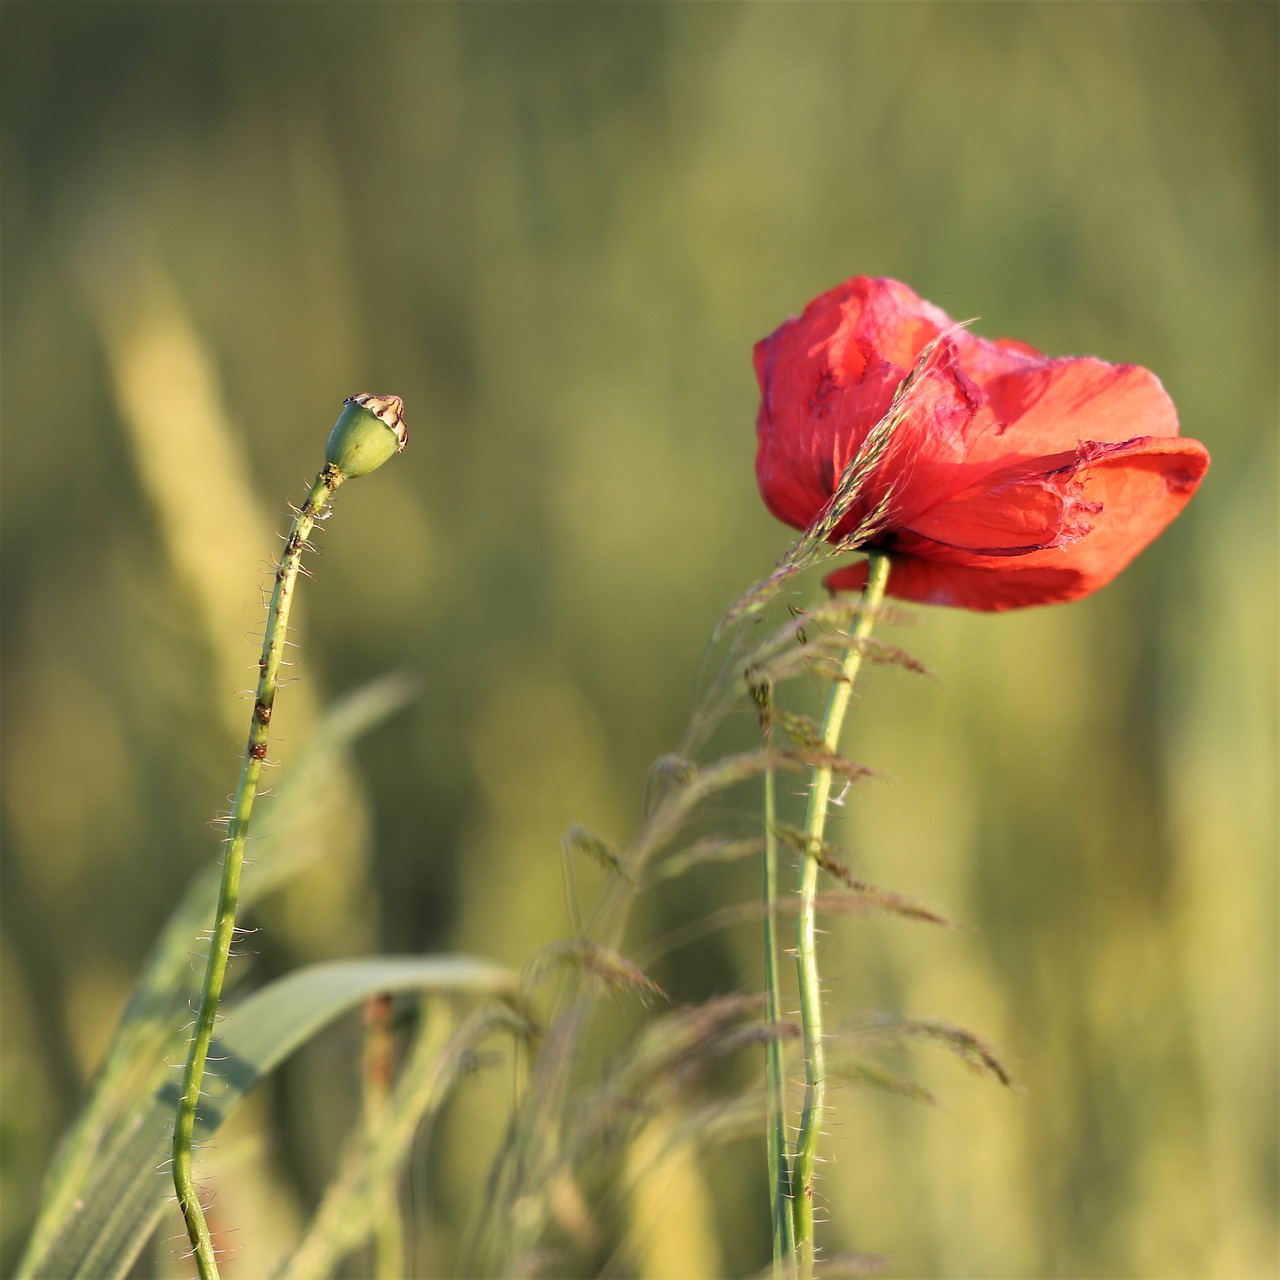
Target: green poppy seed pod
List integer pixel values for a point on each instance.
(369, 431)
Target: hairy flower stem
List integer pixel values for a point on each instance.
(237, 833)
(806, 952)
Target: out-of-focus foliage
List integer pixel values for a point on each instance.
(556, 230)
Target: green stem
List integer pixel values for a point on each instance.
(779, 1158)
(806, 926)
(237, 833)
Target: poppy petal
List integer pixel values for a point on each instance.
(1010, 512)
(1049, 406)
(826, 379)
(1132, 491)
(964, 587)
(799, 467)
(1140, 486)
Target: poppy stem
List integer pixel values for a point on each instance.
(369, 431)
(806, 953)
(233, 860)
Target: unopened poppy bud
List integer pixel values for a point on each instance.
(369, 431)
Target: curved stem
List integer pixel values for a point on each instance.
(806, 953)
(237, 833)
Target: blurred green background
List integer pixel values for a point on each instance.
(556, 230)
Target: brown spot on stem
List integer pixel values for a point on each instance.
(257, 750)
(262, 711)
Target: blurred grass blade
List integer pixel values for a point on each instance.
(192, 462)
(347, 1214)
(103, 1232)
(149, 1034)
(669, 1209)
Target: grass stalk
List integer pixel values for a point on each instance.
(775, 1095)
(379, 1055)
(806, 922)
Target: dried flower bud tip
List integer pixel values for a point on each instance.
(369, 431)
(388, 409)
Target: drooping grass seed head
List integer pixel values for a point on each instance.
(369, 431)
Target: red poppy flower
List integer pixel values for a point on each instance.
(1014, 479)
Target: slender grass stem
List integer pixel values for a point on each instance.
(233, 860)
(806, 927)
(779, 1156)
(379, 1052)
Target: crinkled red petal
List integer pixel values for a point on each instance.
(1048, 406)
(1132, 491)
